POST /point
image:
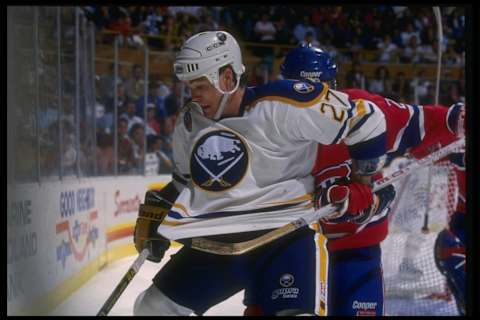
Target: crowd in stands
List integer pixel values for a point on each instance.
(404, 34)
(395, 34)
(151, 116)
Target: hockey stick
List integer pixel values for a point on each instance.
(238, 248)
(122, 285)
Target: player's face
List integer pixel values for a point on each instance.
(205, 94)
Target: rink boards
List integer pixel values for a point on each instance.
(61, 233)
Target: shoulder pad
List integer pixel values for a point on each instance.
(297, 93)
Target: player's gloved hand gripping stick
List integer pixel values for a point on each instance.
(148, 242)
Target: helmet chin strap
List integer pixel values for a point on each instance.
(223, 100)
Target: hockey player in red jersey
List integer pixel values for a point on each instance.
(449, 249)
(353, 238)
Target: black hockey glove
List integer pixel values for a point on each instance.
(383, 198)
(151, 214)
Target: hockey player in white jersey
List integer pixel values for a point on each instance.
(243, 158)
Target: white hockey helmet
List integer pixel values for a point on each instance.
(205, 53)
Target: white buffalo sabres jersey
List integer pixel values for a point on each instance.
(253, 171)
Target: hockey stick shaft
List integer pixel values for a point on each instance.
(222, 248)
(124, 282)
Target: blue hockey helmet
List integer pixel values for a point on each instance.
(308, 62)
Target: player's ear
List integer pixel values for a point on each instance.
(228, 78)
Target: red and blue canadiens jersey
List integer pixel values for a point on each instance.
(410, 128)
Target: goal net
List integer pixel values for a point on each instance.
(413, 284)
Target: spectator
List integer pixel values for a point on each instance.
(407, 35)
(153, 126)
(401, 87)
(421, 88)
(411, 53)
(309, 39)
(127, 34)
(381, 83)
(327, 45)
(121, 101)
(154, 145)
(167, 138)
(173, 102)
(206, 23)
(130, 115)
(302, 28)
(264, 29)
(451, 57)
(162, 90)
(105, 154)
(388, 49)
(138, 15)
(69, 157)
(135, 84)
(151, 98)
(283, 33)
(193, 11)
(106, 84)
(355, 77)
(152, 26)
(137, 136)
(397, 38)
(104, 119)
(126, 159)
(452, 94)
(152, 21)
(355, 50)
(375, 35)
(169, 29)
(101, 17)
(428, 53)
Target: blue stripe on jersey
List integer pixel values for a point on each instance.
(344, 126)
(369, 149)
(175, 214)
(412, 134)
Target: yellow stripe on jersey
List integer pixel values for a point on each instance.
(321, 305)
(175, 223)
(292, 102)
(179, 206)
(359, 111)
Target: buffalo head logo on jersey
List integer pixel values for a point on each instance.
(219, 161)
(303, 87)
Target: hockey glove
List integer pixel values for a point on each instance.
(151, 214)
(355, 201)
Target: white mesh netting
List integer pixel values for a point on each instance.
(413, 284)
